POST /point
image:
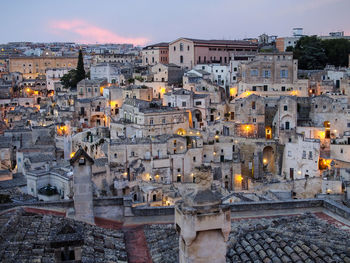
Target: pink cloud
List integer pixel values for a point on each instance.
(88, 33)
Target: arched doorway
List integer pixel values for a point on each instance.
(269, 159)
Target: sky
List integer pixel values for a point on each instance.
(143, 22)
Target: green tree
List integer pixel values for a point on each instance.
(80, 68)
(71, 79)
(68, 80)
(337, 51)
(310, 53)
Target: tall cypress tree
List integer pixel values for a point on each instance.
(80, 68)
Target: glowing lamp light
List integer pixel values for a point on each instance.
(72, 154)
(265, 161)
(299, 172)
(239, 178)
(28, 89)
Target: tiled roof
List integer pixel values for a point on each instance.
(297, 238)
(28, 237)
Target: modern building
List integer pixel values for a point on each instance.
(188, 52)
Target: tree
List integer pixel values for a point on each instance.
(337, 51)
(71, 79)
(68, 80)
(310, 53)
(80, 68)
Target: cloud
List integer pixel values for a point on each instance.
(85, 32)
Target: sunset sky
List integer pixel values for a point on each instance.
(148, 21)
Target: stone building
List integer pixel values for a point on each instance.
(90, 88)
(156, 53)
(249, 116)
(32, 67)
(91, 112)
(138, 92)
(108, 71)
(54, 75)
(271, 74)
(300, 158)
(113, 58)
(170, 73)
(142, 118)
(50, 183)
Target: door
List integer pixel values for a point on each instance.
(287, 125)
(291, 173)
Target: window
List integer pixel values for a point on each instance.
(254, 88)
(184, 104)
(285, 107)
(151, 121)
(178, 170)
(310, 155)
(304, 155)
(253, 72)
(234, 69)
(163, 120)
(266, 73)
(284, 73)
(181, 59)
(188, 48)
(132, 154)
(253, 105)
(194, 158)
(287, 125)
(283, 88)
(265, 88)
(289, 153)
(199, 59)
(181, 47)
(254, 120)
(174, 48)
(200, 103)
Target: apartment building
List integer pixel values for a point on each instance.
(188, 52)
